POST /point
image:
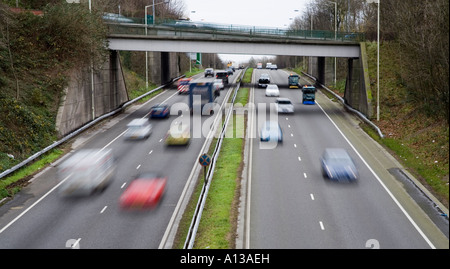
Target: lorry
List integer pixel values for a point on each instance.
(201, 93)
(308, 95)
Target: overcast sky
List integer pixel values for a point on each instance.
(269, 13)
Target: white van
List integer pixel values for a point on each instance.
(86, 171)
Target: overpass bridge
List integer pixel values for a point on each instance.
(254, 40)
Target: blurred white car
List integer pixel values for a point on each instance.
(284, 105)
(86, 171)
(271, 131)
(138, 129)
(272, 90)
(218, 84)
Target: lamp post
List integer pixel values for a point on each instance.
(378, 55)
(92, 77)
(146, 26)
(335, 35)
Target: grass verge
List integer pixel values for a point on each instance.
(217, 229)
(12, 184)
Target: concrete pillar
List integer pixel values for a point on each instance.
(165, 67)
(109, 93)
(321, 70)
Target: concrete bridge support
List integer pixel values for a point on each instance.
(163, 66)
(357, 93)
(83, 101)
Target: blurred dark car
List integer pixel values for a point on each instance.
(209, 72)
(223, 75)
(145, 191)
(263, 80)
(338, 165)
(160, 111)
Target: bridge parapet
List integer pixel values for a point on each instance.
(189, 29)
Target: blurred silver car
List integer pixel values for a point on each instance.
(272, 90)
(218, 84)
(271, 131)
(86, 171)
(338, 165)
(116, 18)
(138, 129)
(284, 105)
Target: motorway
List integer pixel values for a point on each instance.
(39, 218)
(290, 204)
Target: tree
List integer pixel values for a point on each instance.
(6, 22)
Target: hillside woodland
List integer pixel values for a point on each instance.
(36, 51)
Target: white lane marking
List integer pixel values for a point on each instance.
(150, 152)
(321, 226)
(103, 210)
(381, 182)
(161, 140)
(250, 167)
(113, 140)
(295, 145)
(139, 166)
(123, 185)
(304, 174)
(312, 196)
(292, 135)
(33, 205)
(289, 126)
(299, 159)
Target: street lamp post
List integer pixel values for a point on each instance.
(146, 26)
(335, 35)
(92, 77)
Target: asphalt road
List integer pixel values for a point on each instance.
(293, 206)
(39, 218)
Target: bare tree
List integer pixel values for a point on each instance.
(6, 22)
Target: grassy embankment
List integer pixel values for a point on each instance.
(419, 142)
(217, 229)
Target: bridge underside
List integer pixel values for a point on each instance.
(357, 90)
(226, 46)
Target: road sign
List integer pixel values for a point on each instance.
(204, 160)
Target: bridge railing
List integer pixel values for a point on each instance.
(137, 26)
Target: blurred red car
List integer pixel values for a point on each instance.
(145, 191)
